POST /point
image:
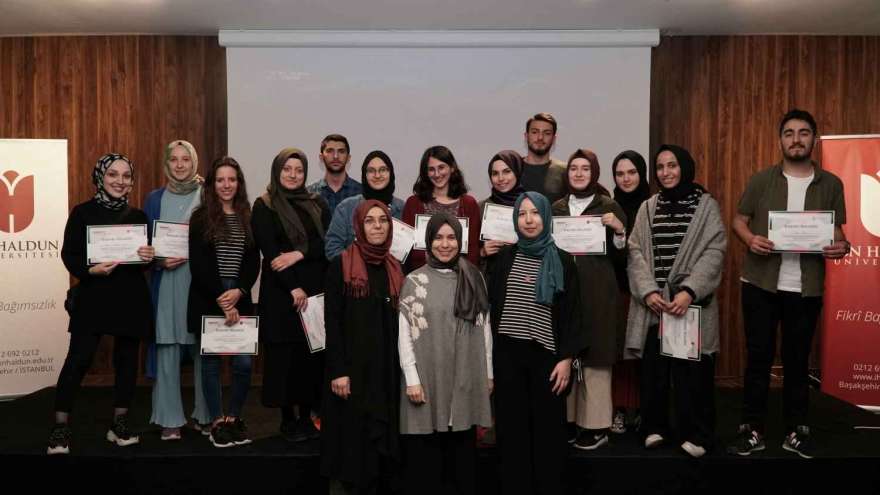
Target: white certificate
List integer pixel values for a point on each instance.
(115, 243)
(241, 338)
(313, 323)
(680, 336)
(171, 239)
(580, 235)
(800, 231)
(497, 224)
(422, 227)
(402, 240)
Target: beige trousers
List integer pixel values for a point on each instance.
(589, 402)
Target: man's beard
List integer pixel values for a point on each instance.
(335, 169)
(540, 151)
(808, 151)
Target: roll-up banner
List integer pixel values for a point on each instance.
(33, 281)
(850, 337)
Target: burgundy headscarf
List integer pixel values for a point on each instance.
(361, 252)
(593, 187)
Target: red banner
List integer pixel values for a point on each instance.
(851, 317)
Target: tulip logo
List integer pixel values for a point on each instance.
(870, 207)
(17, 201)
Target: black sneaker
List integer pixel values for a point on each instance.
(120, 434)
(590, 439)
(59, 439)
(800, 442)
(239, 432)
(571, 432)
(222, 435)
(618, 425)
(747, 441)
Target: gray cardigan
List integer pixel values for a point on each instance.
(698, 266)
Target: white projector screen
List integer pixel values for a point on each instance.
(404, 96)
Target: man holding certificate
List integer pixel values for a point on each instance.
(790, 217)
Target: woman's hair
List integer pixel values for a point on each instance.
(210, 212)
(424, 188)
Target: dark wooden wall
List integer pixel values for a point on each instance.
(719, 96)
(129, 94)
(722, 97)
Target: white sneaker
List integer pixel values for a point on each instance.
(653, 440)
(693, 450)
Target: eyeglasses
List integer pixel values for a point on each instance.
(378, 171)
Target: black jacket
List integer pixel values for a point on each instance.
(570, 337)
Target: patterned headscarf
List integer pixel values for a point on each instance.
(192, 181)
(101, 195)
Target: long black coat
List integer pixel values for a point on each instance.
(279, 320)
(206, 286)
(570, 335)
(600, 291)
(117, 304)
(361, 344)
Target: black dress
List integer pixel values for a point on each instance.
(116, 304)
(359, 437)
(291, 374)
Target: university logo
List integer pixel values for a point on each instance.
(870, 207)
(16, 201)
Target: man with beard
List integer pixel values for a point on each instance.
(542, 173)
(783, 287)
(336, 184)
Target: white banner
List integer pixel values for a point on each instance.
(34, 283)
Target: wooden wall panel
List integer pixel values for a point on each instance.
(722, 97)
(130, 94)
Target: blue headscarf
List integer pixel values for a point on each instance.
(550, 278)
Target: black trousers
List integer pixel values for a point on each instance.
(79, 359)
(292, 376)
(436, 460)
(762, 313)
(529, 418)
(690, 384)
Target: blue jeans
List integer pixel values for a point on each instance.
(241, 378)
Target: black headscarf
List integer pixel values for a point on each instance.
(101, 195)
(384, 195)
(514, 161)
(631, 201)
(471, 298)
(280, 199)
(686, 186)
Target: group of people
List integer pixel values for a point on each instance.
(538, 347)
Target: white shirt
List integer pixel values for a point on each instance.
(790, 269)
(576, 206)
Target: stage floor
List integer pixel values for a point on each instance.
(847, 457)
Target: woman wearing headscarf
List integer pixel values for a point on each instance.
(289, 225)
(630, 191)
(676, 254)
(505, 170)
(589, 403)
(225, 265)
(169, 287)
(110, 299)
(445, 346)
(534, 294)
(359, 421)
(440, 188)
(377, 177)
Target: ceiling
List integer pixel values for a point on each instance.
(672, 17)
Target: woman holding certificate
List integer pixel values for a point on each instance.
(589, 403)
(289, 225)
(630, 191)
(225, 263)
(111, 298)
(445, 346)
(676, 254)
(377, 178)
(505, 170)
(440, 188)
(169, 287)
(359, 423)
(534, 295)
